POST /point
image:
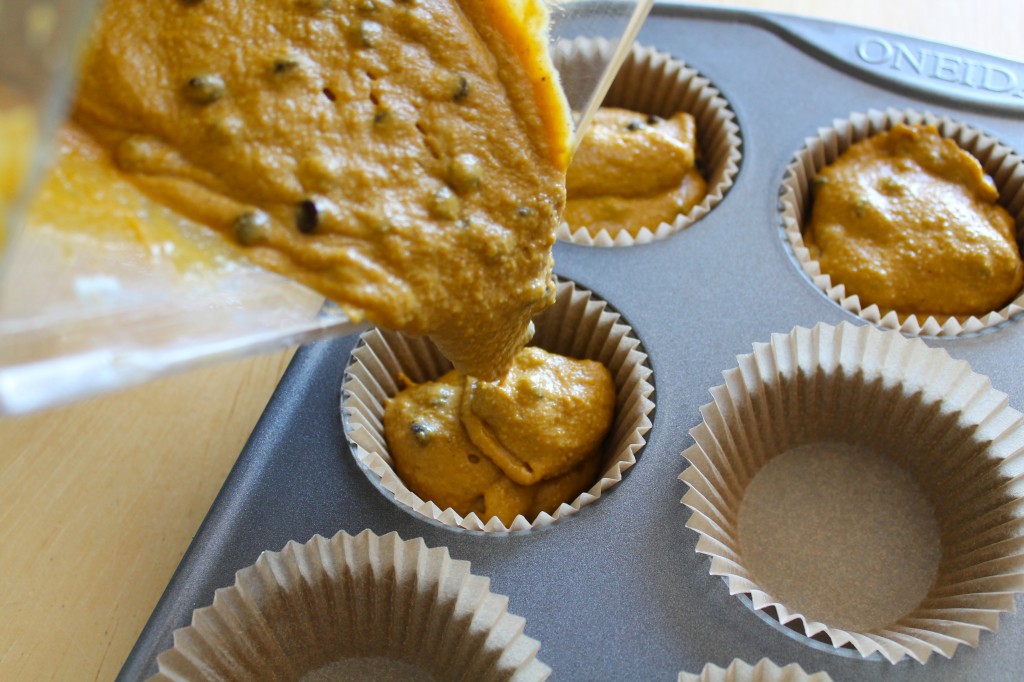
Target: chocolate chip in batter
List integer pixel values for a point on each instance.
(461, 88)
(307, 217)
(251, 227)
(285, 64)
(204, 88)
(421, 432)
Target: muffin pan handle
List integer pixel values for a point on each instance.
(951, 73)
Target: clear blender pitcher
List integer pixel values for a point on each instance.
(81, 315)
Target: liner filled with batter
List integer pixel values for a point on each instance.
(578, 326)
(997, 161)
(654, 83)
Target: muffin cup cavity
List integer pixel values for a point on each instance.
(833, 453)
(1003, 165)
(578, 325)
(653, 82)
(369, 605)
(764, 671)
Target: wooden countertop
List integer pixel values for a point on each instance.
(99, 500)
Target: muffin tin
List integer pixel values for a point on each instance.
(617, 591)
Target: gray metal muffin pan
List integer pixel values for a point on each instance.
(617, 591)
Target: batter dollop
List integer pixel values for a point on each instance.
(909, 221)
(632, 171)
(519, 446)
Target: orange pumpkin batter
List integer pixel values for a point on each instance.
(909, 221)
(404, 157)
(537, 445)
(633, 171)
(544, 417)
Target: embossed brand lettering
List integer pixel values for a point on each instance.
(942, 66)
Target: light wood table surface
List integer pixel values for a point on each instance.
(99, 500)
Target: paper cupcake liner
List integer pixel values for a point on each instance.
(764, 671)
(653, 82)
(380, 607)
(999, 161)
(930, 447)
(578, 325)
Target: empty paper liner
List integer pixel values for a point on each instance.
(354, 608)
(578, 325)
(864, 489)
(654, 82)
(764, 671)
(998, 161)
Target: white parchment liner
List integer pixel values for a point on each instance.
(929, 416)
(999, 161)
(392, 601)
(764, 671)
(653, 82)
(577, 325)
